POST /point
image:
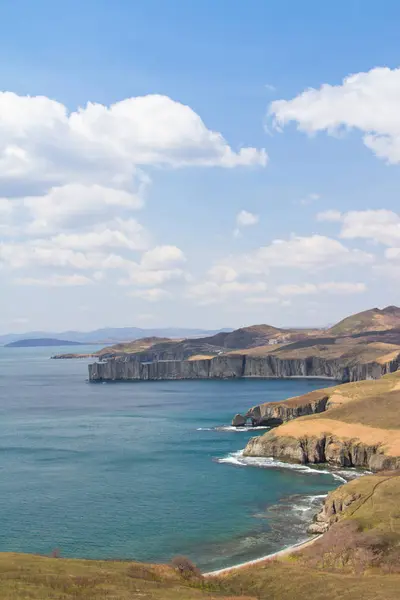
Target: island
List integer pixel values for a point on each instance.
(37, 342)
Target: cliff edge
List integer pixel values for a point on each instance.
(358, 425)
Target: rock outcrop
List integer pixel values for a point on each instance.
(229, 366)
(239, 421)
(276, 413)
(333, 509)
(327, 448)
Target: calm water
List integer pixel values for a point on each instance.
(138, 470)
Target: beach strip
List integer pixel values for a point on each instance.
(284, 552)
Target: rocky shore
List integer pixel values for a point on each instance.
(330, 449)
(353, 425)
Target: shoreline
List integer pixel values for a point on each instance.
(284, 552)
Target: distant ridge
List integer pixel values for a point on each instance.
(110, 335)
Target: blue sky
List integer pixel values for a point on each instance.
(149, 213)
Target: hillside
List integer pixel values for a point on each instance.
(374, 319)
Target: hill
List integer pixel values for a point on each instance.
(374, 319)
(32, 343)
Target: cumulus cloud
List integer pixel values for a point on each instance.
(75, 205)
(382, 226)
(119, 234)
(155, 268)
(308, 253)
(246, 219)
(41, 141)
(366, 101)
(162, 257)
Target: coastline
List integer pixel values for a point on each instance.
(284, 552)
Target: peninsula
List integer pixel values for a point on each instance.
(362, 346)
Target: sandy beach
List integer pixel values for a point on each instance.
(284, 552)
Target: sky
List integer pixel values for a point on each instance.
(197, 164)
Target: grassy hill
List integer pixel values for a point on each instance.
(374, 319)
(360, 426)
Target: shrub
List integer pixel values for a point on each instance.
(186, 568)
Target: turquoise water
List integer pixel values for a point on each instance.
(138, 470)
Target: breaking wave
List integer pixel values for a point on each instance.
(237, 459)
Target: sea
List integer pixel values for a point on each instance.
(143, 470)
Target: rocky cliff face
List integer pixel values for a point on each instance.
(276, 413)
(333, 509)
(321, 449)
(231, 366)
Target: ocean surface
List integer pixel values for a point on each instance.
(144, 470)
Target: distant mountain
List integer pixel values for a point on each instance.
(110, 335)
(33, 343)
(375, 319)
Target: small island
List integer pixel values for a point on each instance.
(33, 343)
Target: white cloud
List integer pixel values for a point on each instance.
(55, 280)
(330, 287)
(210, 292)
(309, 253)
(382, 226)
(366, 101)
(246, 219)
(41, 141)
(332, 216)
(120, 234)
(75, 205)
(162, 257)
(151, 295)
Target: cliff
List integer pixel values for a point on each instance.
(141, 367)
(355, 425)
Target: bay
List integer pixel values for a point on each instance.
(141, 471)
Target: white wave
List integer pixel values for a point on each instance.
(231, 428)
(237, 458)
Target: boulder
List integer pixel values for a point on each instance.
(238, 421)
